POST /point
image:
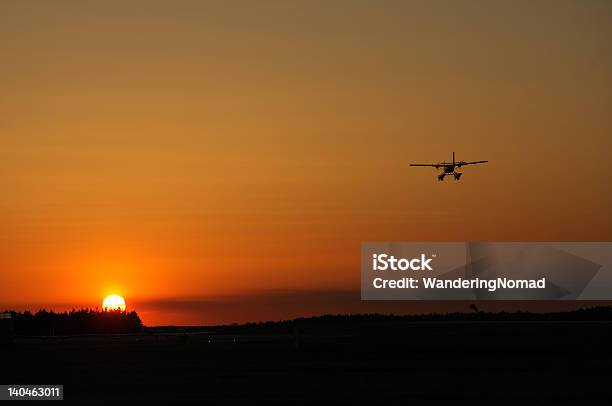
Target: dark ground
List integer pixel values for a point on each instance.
(387, 362)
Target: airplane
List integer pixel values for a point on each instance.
(448, 168)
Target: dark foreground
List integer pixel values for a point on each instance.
(389, 362)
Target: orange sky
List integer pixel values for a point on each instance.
(173, 151)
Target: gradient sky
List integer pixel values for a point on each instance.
(207, 152)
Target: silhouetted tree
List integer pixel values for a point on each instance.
(83, 321)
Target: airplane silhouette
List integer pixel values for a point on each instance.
(448, 168)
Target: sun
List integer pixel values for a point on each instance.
(113, 303)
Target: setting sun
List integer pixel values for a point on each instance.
(113, 302)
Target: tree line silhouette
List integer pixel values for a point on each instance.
(82, 321)
(338, 322)
(94, 321)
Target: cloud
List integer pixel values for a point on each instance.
(276, 305)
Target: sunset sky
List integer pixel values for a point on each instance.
(222, 161)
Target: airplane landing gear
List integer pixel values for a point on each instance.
(441, 176)
(457, 175)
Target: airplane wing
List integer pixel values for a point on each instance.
(434, 165)
(463, 163)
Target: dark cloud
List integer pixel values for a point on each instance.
(289, 304)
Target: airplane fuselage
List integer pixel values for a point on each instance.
(448, 169)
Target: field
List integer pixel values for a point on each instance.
(458, 362)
